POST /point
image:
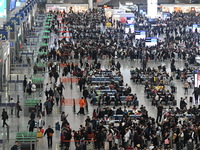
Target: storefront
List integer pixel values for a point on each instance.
(185, 8)
(67, 7)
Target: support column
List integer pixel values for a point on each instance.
(90, 2)
(152, 8)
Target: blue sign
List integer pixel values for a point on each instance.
(20, 15)
(3, 34)
(9, 26)
(2, 8)
(22, 0)
(12, 4)
(11, 44)
(15, 20)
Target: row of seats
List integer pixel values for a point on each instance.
(104, 79)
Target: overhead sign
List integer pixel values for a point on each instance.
(15, 20)
(9, 26)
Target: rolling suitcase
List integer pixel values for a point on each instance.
(39, 135)
(57, 126)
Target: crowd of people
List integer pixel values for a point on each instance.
(90, 39)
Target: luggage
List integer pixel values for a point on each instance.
(191, 99)
(42, 130)
(57, 126)
(39, 134)
(136, 103)
(43, 113)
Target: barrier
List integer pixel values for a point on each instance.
(42, 53)
(28, 53)
(45, 37)
(66, 64)
(44, 45)
(69, 80)
(70, 102)
(62, 37)
(63, 31)
(28, 140)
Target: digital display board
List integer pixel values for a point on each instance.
(12, 5)
(140, 34)
(129, 28)
(2, 8)
(151, 41)
(166, 16)
(18, 4)
(152, 21)
(130, 20)
(196, 27)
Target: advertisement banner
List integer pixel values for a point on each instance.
(3, 34)
(2, 8)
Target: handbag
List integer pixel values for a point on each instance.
(20, 108)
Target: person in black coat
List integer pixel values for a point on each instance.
(4, 117)
(49, 133)
(32, 116)
(31, 124)
(15, 147)
(56, 76)
(24, 84)
(68, 137)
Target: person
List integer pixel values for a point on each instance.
(4, 117)
(186, 86)
(31, 124)
(47, 106)
(39, 105)
(81, 103)
(110, 138)
(29, 87)
(40, 122)
(63, 116)
(18, 108)
(57, 96)
(24, 84)
(159, 112)
(49, 133)
(32, 116)
(15, 146)
(12, 106)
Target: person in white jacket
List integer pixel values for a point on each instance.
(126, 138)
(40, 122)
